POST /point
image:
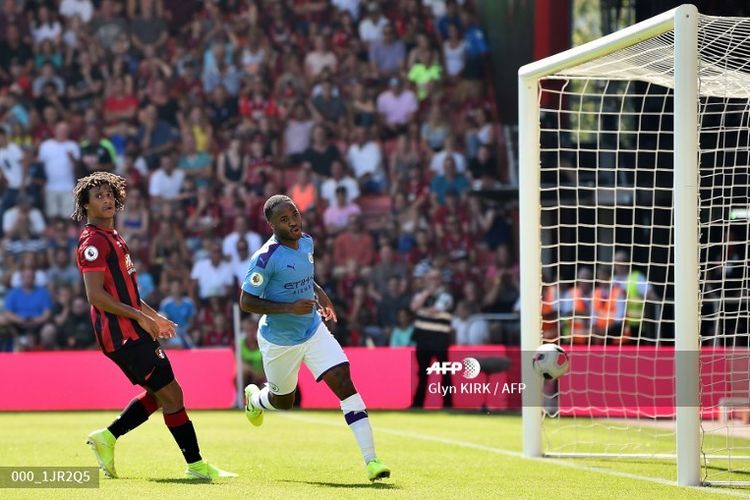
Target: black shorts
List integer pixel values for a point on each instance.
(145, 363)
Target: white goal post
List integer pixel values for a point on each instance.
(611, 164)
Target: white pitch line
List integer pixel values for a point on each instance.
(516, 454)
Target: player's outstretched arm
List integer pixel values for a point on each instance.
(252, 304)
(99, 298)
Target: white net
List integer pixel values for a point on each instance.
(607, 249)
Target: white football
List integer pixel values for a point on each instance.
(550, 361)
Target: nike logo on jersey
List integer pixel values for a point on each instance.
(290, 266)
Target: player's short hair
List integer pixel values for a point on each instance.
(273, 202)
(81, 191)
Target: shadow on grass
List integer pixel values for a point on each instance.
(182, 480)
(375, 486)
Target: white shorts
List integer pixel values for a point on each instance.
(321, 352)
(58, 204)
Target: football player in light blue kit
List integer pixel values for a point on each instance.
(280, 285)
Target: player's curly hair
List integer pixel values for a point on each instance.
(273, 202)
(81, 192)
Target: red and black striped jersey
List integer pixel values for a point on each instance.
(104, 250)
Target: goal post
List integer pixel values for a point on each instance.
(634, 169)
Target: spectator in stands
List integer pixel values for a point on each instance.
(372, 26)
(356, 244)
(326, 107)
(134, 219)
(366, 161)
(481, 133)
(449, 180)
(13, 171)
(83, 9)
(252, 361)
(339, 178)
(211, 277)
(454, 52)
(97, 153)
(468, 330)
(166, 183)
(337, 216)
(197, 165)
(387, 55)
(217, 333)
(432, 332)
(483, 164)
(636, 289)
(231, 168)
(388, 266)
(435, 130)
(241, 262)
(148, 32)
(318, 59)
(322, 152)
(155, 136)
(391, 300)
(107, 26)
(303, 192)
(401, 335)
(241, 232)
(76, 331)
(297, 132)
(28, 261)
(47, 77)
(63, 272)
(24, 214)
(476, 50)
(28, 307)
(180, 309)
(437, 163)
(396, 106)
(425, 74)
(59, 156)
(121, 105)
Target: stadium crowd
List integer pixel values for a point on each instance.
(373, 116)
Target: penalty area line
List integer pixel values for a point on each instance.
(517, 454)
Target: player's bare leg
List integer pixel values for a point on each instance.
(340, 382)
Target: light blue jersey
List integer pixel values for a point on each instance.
(282, 274)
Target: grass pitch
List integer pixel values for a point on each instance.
(306, 454)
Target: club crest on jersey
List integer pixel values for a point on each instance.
(310, 257)
(129, 264)
(256, 279)
(90, 253)
(160, 352)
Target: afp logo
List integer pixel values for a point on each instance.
(470, 368)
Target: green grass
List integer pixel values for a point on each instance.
(313, 455)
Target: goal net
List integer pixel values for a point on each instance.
(635, 167)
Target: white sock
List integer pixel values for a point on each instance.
(261, 399)
(355, 414)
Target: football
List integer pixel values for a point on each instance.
(550, 361)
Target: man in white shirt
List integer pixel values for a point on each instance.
(84, 9)
(166, 182)
(59, 156)
(212, 276)
(241, 233)
(241, 262)
(371, 27)
(366, 160)
(12, 171)
(338, 178)
(437, 163)
(26, 214)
